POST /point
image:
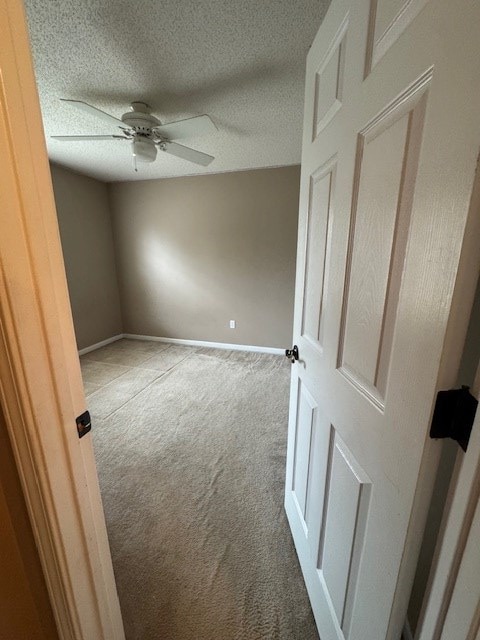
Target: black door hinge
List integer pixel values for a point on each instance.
(84, 424)
(454, 415)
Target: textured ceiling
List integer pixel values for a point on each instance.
(240, 61)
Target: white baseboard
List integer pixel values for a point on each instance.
(103, 343)
(212, 345)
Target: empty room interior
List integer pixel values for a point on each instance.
(189, 436)
(265, 215)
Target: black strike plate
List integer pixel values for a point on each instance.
(454, 415)
(84, 424)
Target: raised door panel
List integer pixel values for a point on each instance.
(304, 434)
(386, 166)
(346, 503)
(308, 470)
(317, 251)
(328, 92)
(388, 20)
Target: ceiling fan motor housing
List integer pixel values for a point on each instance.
(140, 119)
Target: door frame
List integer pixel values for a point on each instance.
(41, 390)
(462, 500)
(464, 487)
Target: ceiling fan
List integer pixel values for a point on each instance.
(147, 134)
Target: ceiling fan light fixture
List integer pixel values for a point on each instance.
(146, 134)
(144, 150)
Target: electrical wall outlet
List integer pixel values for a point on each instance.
(232, 324)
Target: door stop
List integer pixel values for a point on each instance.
(454, 415)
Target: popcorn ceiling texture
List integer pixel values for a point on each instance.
(242, 62)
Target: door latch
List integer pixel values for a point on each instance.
(454, 415)
(292, 354)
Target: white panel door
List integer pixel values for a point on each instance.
(390, 144)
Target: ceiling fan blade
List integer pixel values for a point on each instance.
(93, 111)
(186, 153)
(188, 128)
(82, 138)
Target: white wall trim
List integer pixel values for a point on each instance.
(103, 343)
(212, 345)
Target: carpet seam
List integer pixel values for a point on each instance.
(172, 367)
(116, 364)
(162, 374)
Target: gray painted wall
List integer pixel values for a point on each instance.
(195, 252)
(87, 242)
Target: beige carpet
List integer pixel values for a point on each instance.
(190, 446)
